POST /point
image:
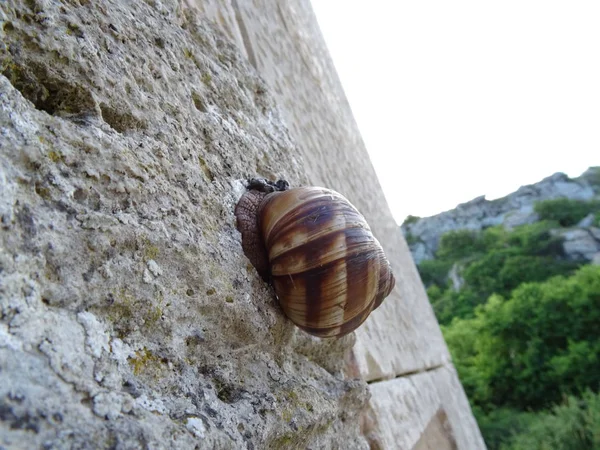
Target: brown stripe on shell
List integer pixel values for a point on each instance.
(315, 298)
(279, 204)
(343, 329)
(291, 294)
(287, 225)
(329, 272)
(340, 244)
(334, 294)
(361, 282)
(355, 322)
(325, 296)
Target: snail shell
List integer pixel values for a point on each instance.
(328, 270)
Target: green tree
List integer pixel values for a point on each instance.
(572, 425)
(410, 219)
(455, 245)
(565, 211)
(525, 348)
(450, 304)
(536, 239)
(434, 271)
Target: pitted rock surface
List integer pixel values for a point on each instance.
(126, 320)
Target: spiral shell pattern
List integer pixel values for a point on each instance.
(328, 270)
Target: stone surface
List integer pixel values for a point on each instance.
(587, 221)
(581, 243)
(455, 276)
(129, 316)
(437, 435)
(510, 211)
(404, 411)
(284, 43)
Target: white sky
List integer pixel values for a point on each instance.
(456, 99)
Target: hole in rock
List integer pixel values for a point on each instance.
(48, 91)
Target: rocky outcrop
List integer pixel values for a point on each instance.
(581, 243)
(423, 234)
(129, 316)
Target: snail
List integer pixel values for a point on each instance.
(315, 248)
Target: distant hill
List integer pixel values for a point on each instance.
(423, 234)
(515, 286)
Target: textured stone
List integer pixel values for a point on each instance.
(587, 221)
(455, 276)
(437, 435)
(580, 243)
(420, 409)
(127, 303)
(129, 315)
(522, 216)
(283, 41)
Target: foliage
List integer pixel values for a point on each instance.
(501, 272)
(458, 244)
(565, 211)
(500, 426)
(527, 351)
(410, 219)
(536, 239)
(572, 425)
(434, 271)
(494, 260)
(451, 304)
(523, 330)
(410, 238)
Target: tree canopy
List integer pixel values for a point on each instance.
(522, 322)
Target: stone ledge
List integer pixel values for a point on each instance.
(418, 410)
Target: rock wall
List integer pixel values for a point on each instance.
(129, 316)
(510, 211)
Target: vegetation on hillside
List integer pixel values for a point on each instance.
(523, 325)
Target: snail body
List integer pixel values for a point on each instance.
(328, 270)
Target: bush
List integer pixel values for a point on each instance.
(410, 219)
(524, 268)
(500, 426)
(450, 304)
(482, 275)
(536, 239)
(434, 271)
(494, 238)
(565, 211)
(455, 245)
(572, 425)
(538, 345)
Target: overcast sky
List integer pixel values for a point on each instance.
(465, 98)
